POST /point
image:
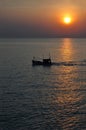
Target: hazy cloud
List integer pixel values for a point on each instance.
(28, 3)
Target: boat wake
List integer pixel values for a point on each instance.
(70, 63)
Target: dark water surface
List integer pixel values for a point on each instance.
(42, 98)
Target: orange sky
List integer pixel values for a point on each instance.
(42, 19)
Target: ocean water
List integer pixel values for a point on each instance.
(43, 98)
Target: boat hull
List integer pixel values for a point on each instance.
(43, 63)
(37, 62)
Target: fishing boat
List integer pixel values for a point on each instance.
(44, 62)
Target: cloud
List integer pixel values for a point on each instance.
(28, 3)
(79, 5)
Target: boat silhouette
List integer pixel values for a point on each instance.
(44, 62)
(48, 62)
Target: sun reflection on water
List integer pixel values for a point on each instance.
(68, 98)
(68, 95)
(67, 50)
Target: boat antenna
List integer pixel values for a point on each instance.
(43, 56)
(49, 55)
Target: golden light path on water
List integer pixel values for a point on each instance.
(68, 96)
(67, 50)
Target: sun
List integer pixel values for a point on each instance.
(67, 20)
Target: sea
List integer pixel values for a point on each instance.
(43, 97)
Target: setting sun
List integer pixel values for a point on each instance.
(67, 20)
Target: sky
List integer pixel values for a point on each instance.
(42, 18)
